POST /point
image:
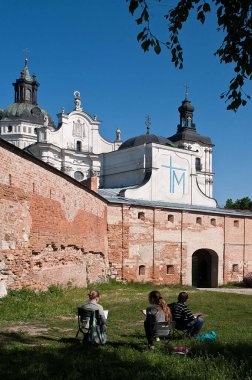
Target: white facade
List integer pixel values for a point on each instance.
(19, 133)
(75, 146)
(147, 167)
(156, 172)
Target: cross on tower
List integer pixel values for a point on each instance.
(26, 51)
(186, 91)
(148, 124)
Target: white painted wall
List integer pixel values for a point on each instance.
(173, 174)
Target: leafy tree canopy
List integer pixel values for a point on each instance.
(241, 204)
(234, 19)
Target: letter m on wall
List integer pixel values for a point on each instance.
(178, 180)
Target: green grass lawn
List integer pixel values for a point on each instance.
(37, 337)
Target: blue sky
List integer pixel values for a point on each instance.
(91, 46)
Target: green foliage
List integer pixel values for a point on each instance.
(234, 19)
(240, 204)
(248, 280)
(55, 354)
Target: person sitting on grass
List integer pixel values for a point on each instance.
(157, 311)
(93, 304)
(184, 318)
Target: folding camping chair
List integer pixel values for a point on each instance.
(90, 325)
(163, 330)
(179, 332)
(84, 316)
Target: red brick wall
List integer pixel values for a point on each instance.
(238, 247)
(53, 230)
(165, 248)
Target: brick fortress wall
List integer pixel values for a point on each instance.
(152, 244)
(53, 230)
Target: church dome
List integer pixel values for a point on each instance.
(186, 107)
(26, 106)
(145, 139)
(26, 112)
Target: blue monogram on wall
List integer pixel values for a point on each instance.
(177, 176)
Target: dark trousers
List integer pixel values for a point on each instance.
(149, 329)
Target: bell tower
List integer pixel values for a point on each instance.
(186, 115)
(26, 87)
(201, 146)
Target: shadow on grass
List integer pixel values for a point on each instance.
(45, 357)
(142, 336)
(240, 351)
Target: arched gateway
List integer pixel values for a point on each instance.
(205, 268)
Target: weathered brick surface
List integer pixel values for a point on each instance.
(52, 230)
(156, 243)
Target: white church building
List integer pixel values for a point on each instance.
(74, 146)
(176, 170)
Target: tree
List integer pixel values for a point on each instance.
(240, 204)
(234, 19)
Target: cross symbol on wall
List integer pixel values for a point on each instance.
(174, 176)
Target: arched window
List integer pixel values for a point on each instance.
(199, 220)
(27, 94)
(141, 216)
(9, 128)
(236, 223)
(171, 218)
(78, 146)
(141, 270)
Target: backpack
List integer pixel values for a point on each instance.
(97, 332)
(208, 336)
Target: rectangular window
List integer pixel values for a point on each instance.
(198, 164)
(213, 222)
(170, 269)
(141, 216)
(171, 218)
(141, 270)
(235, 268)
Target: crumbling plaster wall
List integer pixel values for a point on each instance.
(53, 230)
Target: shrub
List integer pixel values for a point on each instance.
(248, 279)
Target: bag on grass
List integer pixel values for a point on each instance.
(208, 336)
(182, 350)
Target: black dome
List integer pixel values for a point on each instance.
(145, 139)
(186, 106)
